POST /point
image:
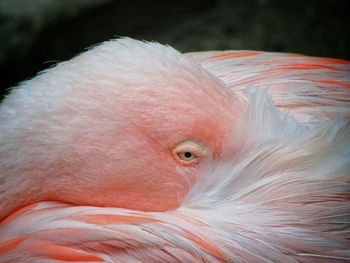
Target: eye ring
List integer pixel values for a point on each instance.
(189, 152)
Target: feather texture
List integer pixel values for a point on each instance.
(286, 198)
(282, 197)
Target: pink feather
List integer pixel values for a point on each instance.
(282, 194)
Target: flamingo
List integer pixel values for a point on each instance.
(134, 152)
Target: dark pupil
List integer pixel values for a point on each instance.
(188, 154)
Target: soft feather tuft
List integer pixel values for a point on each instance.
(284, 198)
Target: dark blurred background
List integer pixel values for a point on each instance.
(37, 34)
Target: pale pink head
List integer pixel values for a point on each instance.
(126, 124)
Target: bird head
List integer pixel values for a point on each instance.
(126, 124)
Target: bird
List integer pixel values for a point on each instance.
(135, 152)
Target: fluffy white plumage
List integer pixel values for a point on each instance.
(283, 197)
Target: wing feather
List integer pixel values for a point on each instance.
(304, 86)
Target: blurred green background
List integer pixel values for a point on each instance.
(36, 34)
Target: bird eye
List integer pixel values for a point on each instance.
(189, 152)
(187, 156)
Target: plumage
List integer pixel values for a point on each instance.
(275, 188)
